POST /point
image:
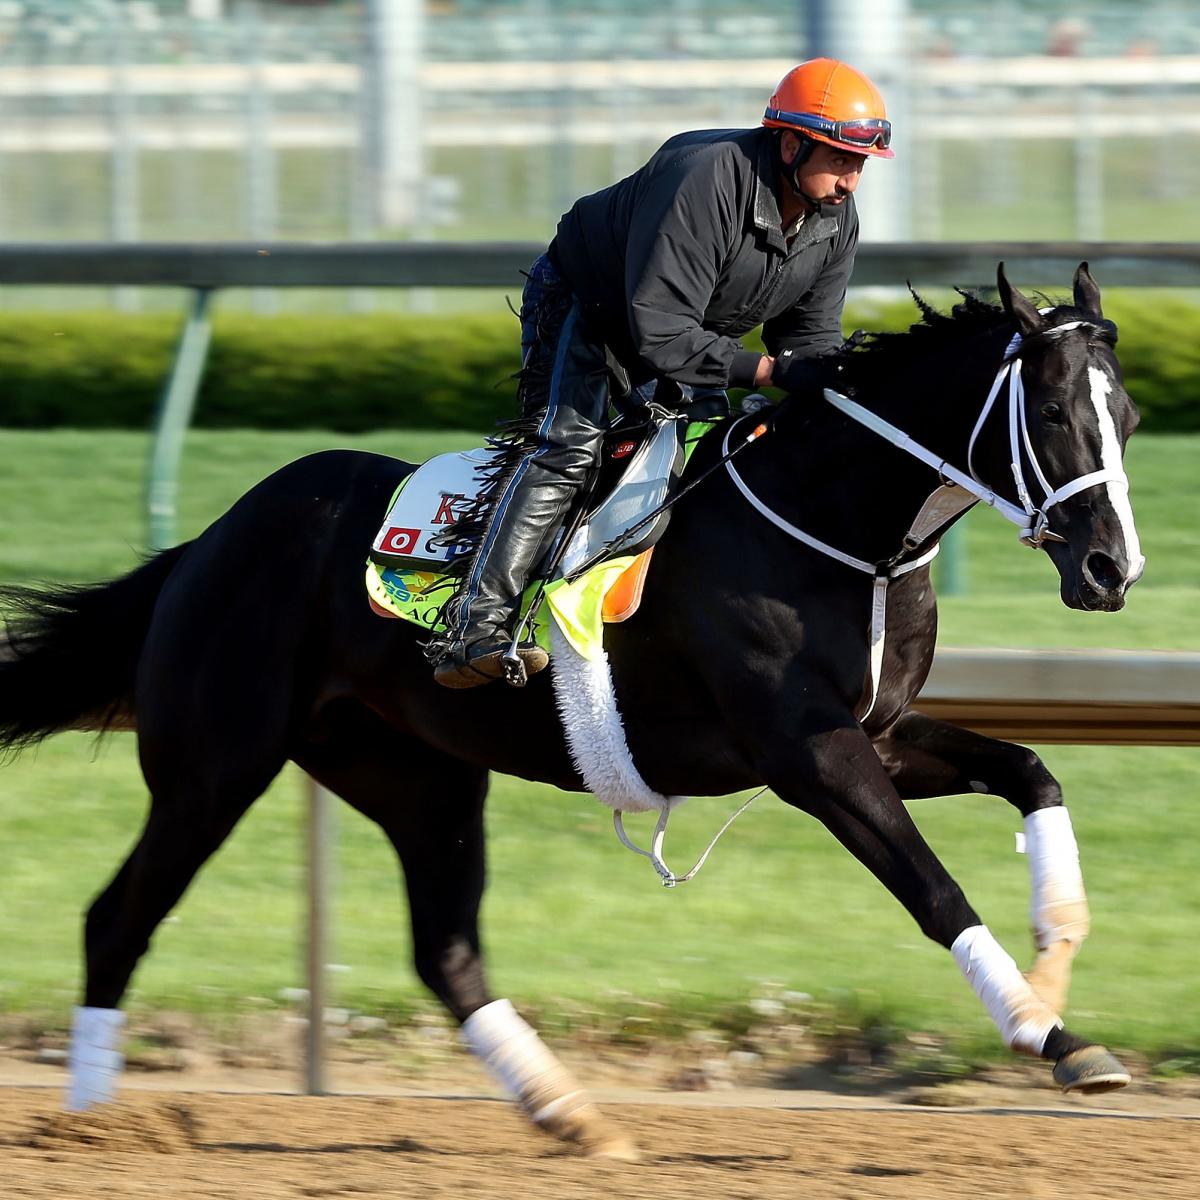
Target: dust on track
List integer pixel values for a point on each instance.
(198, 1145)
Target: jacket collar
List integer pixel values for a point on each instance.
(768, 214)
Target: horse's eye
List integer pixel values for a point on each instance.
(1052, 413)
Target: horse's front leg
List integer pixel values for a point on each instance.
(836, 775)
(925, 757)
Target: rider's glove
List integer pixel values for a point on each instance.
(798, 376)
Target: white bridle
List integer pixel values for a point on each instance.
(945, 502)
(1033, 521)
(1035, 528)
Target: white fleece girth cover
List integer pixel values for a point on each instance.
(587, 705)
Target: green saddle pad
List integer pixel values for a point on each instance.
(577, 607)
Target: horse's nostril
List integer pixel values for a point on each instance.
(1103, 572)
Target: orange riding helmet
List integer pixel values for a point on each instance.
(831, 102)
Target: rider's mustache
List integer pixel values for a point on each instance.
(838, 194)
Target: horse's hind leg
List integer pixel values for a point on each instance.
(435, 823)
(925, 757)
(209, 747)
(192, 812)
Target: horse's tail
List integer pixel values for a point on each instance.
(68, 654)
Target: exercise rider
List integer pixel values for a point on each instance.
(655, 278)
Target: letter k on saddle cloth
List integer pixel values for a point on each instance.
(645, 290)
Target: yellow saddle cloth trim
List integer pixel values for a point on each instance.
(610, 591)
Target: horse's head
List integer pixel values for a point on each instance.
(1069, 418)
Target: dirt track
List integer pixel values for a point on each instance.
(188, 1145)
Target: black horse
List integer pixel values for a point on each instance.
(254, 644)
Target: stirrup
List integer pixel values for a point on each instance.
(515, 674)
(523, 658)
(519, 662)
(512, 664)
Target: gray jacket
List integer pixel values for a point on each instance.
(676, 261)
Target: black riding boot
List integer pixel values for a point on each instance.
(521, 533)
(565, 391)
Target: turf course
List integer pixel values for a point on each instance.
(575, 925)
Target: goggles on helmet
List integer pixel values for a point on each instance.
(867, 132)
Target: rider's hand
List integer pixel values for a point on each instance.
(762, 376)
(796, 375)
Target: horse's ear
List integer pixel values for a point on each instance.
(1021, 309)
(1087, 291)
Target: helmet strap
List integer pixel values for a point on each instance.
(791, 171)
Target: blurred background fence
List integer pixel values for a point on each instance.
(212, 119)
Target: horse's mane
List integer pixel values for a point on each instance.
(880, 354)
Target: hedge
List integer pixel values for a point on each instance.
(353, 373)
(347, 373)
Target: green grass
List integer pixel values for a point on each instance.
(574, 924)
(72, 502)
(577, 926)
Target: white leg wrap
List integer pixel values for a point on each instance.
(1023, 1019)
(518, 1058)
(95, 1059)
(1058, 908)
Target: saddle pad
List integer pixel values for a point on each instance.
(405, 576)
(435, 494)
(610, 591)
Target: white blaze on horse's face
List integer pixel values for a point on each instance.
(1101, 556)
(1111, 455)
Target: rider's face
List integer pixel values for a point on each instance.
(830, 174)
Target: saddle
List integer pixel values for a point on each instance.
(642, 460)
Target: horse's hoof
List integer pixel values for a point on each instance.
(615, 1149)
(584, 1126)
(1091, 1071)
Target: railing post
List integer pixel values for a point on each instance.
(174, 414)
(320, 864)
